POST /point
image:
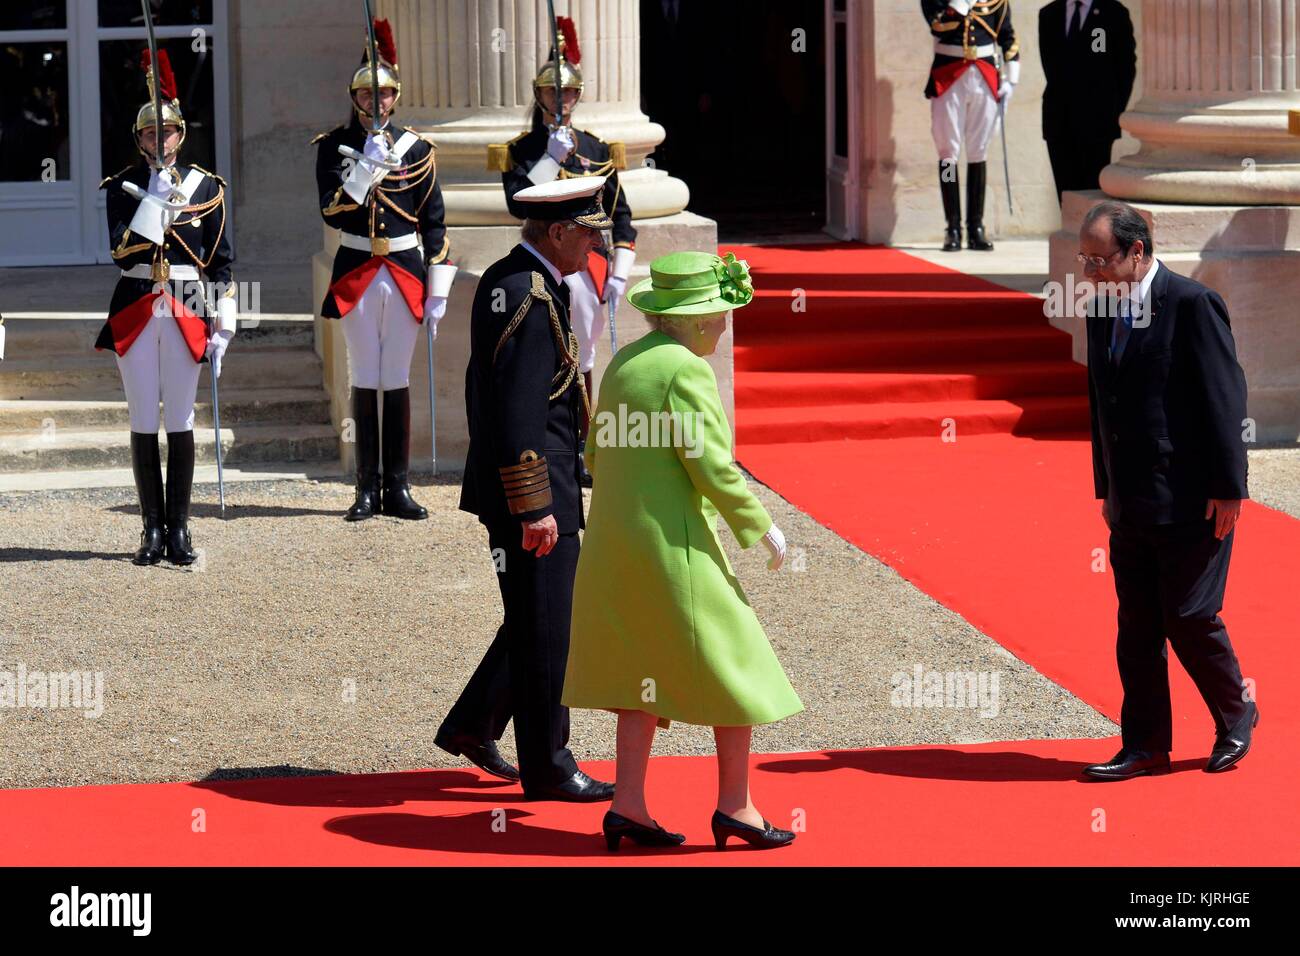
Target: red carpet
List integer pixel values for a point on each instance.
(850, 341)
(999, 528)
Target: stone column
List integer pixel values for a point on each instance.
(1218, 179)
(467, 73)
(1219, 78)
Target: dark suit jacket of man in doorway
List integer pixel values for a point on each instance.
(1089, 80)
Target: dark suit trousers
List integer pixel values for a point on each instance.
(522, 673)
(1170, 581)
(1077, 163)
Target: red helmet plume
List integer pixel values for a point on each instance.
(166, 79)
(572, 52)
(384, 42)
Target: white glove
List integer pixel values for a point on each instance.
(775, 542)
(435, 307)
(1005, 90)
(615, 286)
(561, 143)
(1009, 81)
(378, 153)
(217, 348)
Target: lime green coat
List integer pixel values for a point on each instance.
(660, 623)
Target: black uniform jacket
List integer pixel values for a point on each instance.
(408, 200)
(1167, 423)
(199, 238)
(523, 398)
(988, 22)
(1088, 82)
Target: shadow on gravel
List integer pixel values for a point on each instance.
(205, 510)
(13, 555)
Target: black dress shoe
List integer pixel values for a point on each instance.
(767, 838)
(1129, 763)
(952, 239)
(616, 826)
(482, 754)
(1235, 744)
(577, 789)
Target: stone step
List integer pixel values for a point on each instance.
(97, 448)
(94, 376)
(309, 406)
(32, 335)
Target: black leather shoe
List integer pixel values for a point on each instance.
(482, 754)
(365, 421)
(1235, 744)
(767, 838)
(950, 192)
(577, 789)
(398, 502)
(180, 481)
(952, 239)
(1129, 763)
(616, 826)
(146, 466)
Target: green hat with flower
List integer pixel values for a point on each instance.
(693, 283)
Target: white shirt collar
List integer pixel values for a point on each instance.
(1139, 295)
(555, 273)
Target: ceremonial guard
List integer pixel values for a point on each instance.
(967, 92)
(168, 231)
(555, 149)
(525, 401)
(378, 186)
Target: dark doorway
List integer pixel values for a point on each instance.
(741, 95)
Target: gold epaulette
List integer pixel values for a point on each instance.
(318, 137)
(108, 179)
(208, 172)
(618, 155)
(528, 484)
(498, 158)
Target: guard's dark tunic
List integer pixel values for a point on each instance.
(408, 200)
(198, 238)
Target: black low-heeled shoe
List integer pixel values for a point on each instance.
(617, 826)
(767, 838)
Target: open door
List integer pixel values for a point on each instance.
(842, 141)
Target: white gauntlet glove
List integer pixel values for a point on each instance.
(615, 286)
(561, 143)
(217, 346)
(775, 542)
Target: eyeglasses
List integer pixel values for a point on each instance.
(1097, 262)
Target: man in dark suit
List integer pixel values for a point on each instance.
(1168, 402)
(525, 400)
(1089, 59)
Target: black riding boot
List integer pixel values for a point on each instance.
(365, 419)
(975, 179)
(397, 456)
(180, 479)
(950, 190)
(146, 465)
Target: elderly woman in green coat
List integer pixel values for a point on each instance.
(661, 628)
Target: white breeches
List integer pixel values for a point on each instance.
(381, 333)
(158, 367)
(586, 315)
(967, 112)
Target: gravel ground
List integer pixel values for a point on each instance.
(302, 642)
(1275, 478)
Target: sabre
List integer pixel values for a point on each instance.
(559, 63)
(374, 67)
(433, 408)
(158, 151)
(216, 425)
(1002, 127)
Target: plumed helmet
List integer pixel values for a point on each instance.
(386, 47)
(570, 57)
(165, 80)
